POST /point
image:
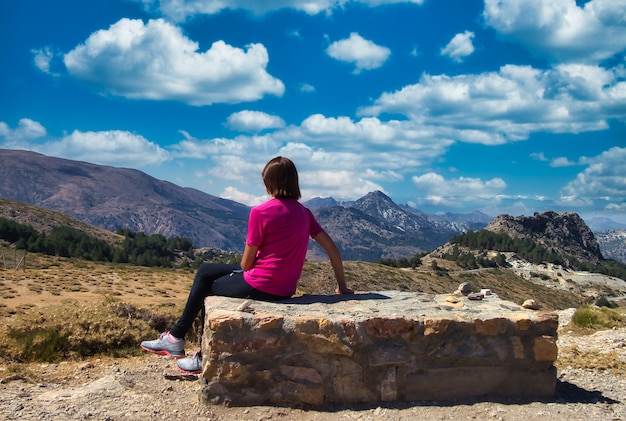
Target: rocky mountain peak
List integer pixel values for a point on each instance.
(379, 205)
(561, 233)
(376, 198)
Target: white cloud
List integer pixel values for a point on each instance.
(332, 127)
(434, 189)
(254, 121)
(499, 107)
(560, 29)
(43, 57)
(459, 47)
(539, 156)
(363, 53)
(617, 207)
(561, 162)
(180, 10)
(232, 193)
(306, 88)
(113, 147)
(156, 61)
(320, 171)
(604, 179)
(26, 131)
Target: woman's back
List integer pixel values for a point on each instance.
(281, 229)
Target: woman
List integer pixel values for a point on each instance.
(273, 258)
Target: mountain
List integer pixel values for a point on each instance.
(374, 227)
(111, 198)
(369, 229)
(465, 221)
(613, 244)
(563, 233)
(45, 220)
(604, 224)
(323, 202)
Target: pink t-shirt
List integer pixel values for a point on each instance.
(280, 228)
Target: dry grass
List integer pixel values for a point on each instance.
(66, 308)
(596, 340)
(591, 360)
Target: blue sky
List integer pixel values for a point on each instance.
(503, 106)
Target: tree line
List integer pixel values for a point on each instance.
(533, 252)
(525, 248)
(403, 262)
(137, 248)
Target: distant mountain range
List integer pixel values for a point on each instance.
(604, 224)
(370, 228)
(111, 198)
(374, 227)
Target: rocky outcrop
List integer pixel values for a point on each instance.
(375, 347)
(562, 233)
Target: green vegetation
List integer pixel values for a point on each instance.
(137, 248)
(604, 302)
(597, 318)
(78, 331)
(468, 260)
(524, 247)
(403, 262)
(153, 250)
(527, 249)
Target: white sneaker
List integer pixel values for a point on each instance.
(166, 345)
(191, 365)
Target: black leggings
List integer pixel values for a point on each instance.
(216, 279)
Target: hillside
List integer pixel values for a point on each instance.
(112, 198)
(564, 236)
(370, 228)
(613, 244)
(374, 227)
(44, 220)
(562, 233)
(554, 287)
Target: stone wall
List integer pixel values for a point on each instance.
(374, 347)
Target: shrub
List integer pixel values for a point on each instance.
(60, 332)
(596, 317)
(604, 302)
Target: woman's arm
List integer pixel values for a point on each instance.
(331, 249)
(249, 256)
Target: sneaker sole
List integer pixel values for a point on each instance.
(163, 352)
(194, 372)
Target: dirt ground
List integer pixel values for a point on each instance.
(150, 387)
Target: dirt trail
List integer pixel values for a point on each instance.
(150, 387)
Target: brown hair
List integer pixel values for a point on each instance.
(281, 178)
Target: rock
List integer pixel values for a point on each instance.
(531, 304)
(375, 347)
(562, 233)
(464, 288)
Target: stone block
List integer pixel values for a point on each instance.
(374, 347)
